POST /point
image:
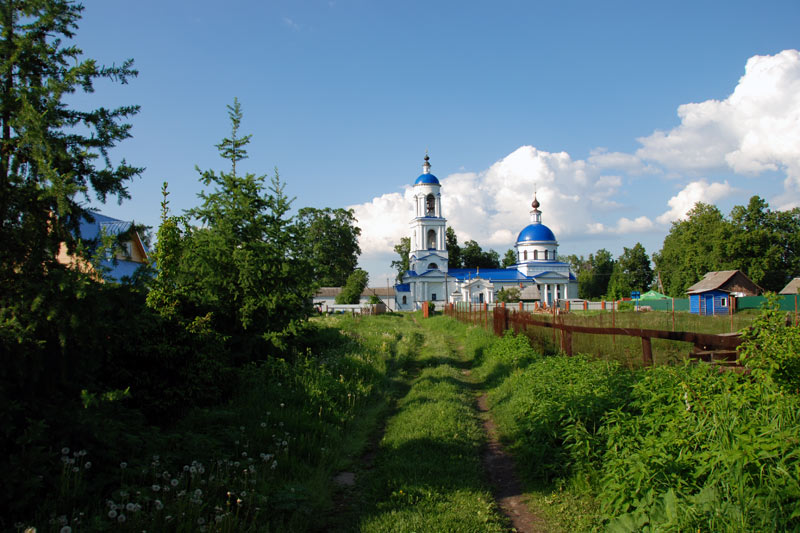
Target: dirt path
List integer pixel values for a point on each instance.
(506, 486)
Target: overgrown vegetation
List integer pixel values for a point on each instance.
(669, 448)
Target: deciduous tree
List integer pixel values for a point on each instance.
(331, 243)
(402, 264)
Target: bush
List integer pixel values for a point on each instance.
(699, 450)
(552, 411)
(771, 348)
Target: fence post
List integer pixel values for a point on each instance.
(567, 342)
(585, 305)
(647, 352)
(603, 305)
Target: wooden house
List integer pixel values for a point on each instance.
(128, 255)
(712, 294)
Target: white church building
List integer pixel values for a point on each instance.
(428, 279)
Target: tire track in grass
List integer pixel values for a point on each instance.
(501, 472)
(428, 474)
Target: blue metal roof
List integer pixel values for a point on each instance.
(491, 274)
(537, 233)
(427, 178)
(122, 269)
(402, 287)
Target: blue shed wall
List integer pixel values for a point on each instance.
(712, 302)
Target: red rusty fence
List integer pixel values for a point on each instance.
(707, 347)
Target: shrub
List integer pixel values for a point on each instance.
(698, 450)
(771, 348)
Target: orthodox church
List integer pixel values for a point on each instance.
(538, 273)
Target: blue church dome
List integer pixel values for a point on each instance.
(426, 178)
(536, 232)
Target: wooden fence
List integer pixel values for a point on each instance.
(707, 347)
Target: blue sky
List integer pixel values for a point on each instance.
(581, 98)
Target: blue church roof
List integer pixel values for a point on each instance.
(427, 178)
(536, 232)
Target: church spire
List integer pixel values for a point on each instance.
(426, 166)
(536, 215)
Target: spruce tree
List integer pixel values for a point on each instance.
(53, 158)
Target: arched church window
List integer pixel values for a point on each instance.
(431, 239)
(433, 266)
(525, 255)
(430, 205)
(404, 300)
(536, 255)
(545, 255)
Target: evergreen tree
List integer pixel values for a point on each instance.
(243, 269)
(53, 159)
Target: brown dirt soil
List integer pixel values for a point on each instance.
(506, 487)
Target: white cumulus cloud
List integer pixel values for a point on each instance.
(755, 129)
(696, 191)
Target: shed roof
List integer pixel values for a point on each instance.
(531, 292)
(712, 281)
(792, 288)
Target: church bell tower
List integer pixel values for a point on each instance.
(428, 244)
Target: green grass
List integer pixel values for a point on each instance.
(628, 350)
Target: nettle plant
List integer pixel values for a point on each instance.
(772, 348)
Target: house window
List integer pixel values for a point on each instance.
(723, 302)
(404, 300)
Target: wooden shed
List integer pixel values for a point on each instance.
(711, 295)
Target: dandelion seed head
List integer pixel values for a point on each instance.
(123, 465)
(121, 518)
(173, 482)
(112, 514)
(156, 487)
(65, 529)
(88, 465)
(158, 505)
(75, 469)
(65, 451)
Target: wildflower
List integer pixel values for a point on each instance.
(201, 469)
(244, 493)
(65, 529)
(185, 468)
(263, 424)
(88, 465)
(244, 454)
(193, 469)
(198, 493)
(156, 458)
(123, 494)
(65, 451)
(156, 487)
(281, 404)
(123, 465)
(173, 482)
(201, 521)
(75, 468)
(121, 518)
(274, 465)
(112, 514)
(158, 505)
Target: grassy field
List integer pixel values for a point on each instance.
(628, 350)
